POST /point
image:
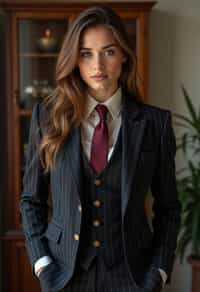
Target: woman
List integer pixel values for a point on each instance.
(99, 149)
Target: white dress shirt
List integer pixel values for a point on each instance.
(90, 121)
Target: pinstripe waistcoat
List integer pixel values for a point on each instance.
(108, 227)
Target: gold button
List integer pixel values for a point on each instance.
(76, 236)
(79, 208)
(96, 223)
(97, 203)
(97, 182)
(96, 243)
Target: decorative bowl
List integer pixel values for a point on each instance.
(47, 44)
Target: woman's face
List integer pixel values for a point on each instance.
(100, 61)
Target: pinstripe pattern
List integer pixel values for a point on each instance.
(81, 280)
(148, 150)
(101, 279)
(109, 194)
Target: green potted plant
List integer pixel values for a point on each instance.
(188, 184)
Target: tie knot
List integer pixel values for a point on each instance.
(102, 111)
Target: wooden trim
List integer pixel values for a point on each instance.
(8, 220)
(74, 5)
(15, 101)
(26, 14)
(12, 235)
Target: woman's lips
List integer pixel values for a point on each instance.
(99, 77)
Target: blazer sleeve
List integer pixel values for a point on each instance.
(166, 206)
(33, 200)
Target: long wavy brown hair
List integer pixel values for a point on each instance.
(67, 103)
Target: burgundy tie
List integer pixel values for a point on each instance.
(99, 149)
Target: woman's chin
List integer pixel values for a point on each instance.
(101, 86)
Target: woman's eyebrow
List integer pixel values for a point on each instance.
(104, 47)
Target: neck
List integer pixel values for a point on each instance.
(104, 94)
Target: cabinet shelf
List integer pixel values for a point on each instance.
(39, 55)
(24, 113)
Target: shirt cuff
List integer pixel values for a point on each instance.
(42, 262)
(163, 276)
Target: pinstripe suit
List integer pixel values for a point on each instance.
(148, 149)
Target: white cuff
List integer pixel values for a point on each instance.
(163, 276)
(42, 262)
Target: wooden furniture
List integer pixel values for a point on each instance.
(30, 75)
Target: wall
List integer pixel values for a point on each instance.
(175, 59)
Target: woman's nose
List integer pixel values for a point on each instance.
(98, 63)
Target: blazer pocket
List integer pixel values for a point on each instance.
(53, 232)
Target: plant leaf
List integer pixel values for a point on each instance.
(183, 241)
(182, 117)
(189, 105)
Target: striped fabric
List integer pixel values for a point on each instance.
(148, 151)
(108, 193)
(101, 279)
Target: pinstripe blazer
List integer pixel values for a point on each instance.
(148, 151)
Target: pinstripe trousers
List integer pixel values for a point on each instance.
(100, 278)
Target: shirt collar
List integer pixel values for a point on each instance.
(113, 104)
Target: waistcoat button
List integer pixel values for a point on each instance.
(96, 243)
(76, 236)
(97, 203)
(97, 182)
(96, 223)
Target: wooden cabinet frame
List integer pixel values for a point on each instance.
(17, 275)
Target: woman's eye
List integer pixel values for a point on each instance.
(85, 54)
(109, 52)
(89, 54)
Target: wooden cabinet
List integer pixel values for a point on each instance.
(30, 65)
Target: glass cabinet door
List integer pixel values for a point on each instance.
(39, 44)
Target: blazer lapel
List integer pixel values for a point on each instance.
(132, 135)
